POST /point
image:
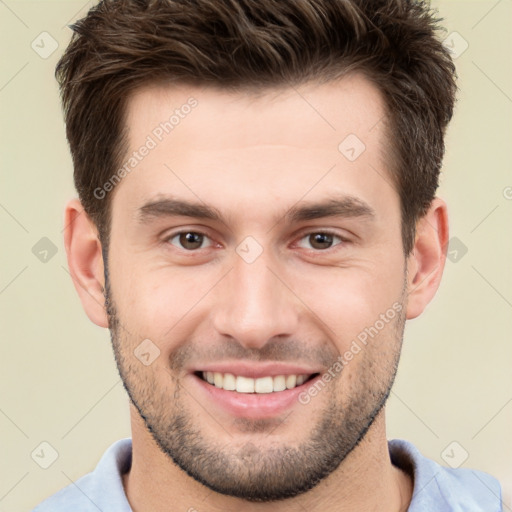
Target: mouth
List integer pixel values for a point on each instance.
(261, 385)
(253, 391)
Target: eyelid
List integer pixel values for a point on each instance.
(168, 237)
(324, 232)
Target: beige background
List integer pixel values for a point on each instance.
(58, 379)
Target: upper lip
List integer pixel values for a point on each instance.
(257, 370)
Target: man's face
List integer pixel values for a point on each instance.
(268, 290)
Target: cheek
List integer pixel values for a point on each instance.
(372, 356)
(157, 300)
(350, 300)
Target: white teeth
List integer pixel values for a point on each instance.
(269, 384)
(244, 385)
(291, 381)
(264, 385)
(218, 379)
(279, 383)
(229, 382)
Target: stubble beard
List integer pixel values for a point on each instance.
(245, 471)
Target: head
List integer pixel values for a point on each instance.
(284, 220)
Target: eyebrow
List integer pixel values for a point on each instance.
(344, 206)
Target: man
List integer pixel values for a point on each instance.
(256, 221)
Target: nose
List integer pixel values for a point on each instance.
(254, 303)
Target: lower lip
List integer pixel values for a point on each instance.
(253, 405)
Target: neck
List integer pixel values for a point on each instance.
(366, 480)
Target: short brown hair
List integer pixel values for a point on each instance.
(245, 45)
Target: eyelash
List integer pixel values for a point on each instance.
(305, 235)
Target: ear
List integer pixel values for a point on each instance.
(426, 262)
(85, 261)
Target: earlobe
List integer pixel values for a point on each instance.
(85, 261)
(426, 263)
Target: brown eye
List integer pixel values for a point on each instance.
(189, 240)
(320, 240)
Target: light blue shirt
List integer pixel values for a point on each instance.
(436, 488)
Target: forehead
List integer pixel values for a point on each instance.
(321, 113)
(249, 147)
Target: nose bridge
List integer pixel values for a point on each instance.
(253, 305)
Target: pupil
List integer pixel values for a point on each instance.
(191, 240)
(322, 238)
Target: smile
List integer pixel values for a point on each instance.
(241, 384)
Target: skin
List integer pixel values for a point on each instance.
(253, 158)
